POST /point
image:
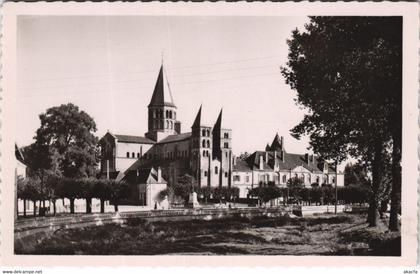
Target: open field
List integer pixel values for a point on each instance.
(344, 234)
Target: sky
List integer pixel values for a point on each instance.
(108, 67)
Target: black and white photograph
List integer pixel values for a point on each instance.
(209, 135)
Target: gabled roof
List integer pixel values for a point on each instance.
(162, 95)
(133, 139)
(175, 138)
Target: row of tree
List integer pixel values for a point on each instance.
(55, 188)
(347, 72)
(315, 195)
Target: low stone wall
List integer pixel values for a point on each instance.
(45, 225)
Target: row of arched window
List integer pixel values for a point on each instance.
(205, 143)
(158, 124)
(206, 153)
(158, 113)
(205, 132)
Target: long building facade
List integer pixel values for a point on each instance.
(204, 152)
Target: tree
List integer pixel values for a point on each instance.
(67, 142)
(347, 72)
(118, 191)
(87, 186)
(356, 174)
(294, 187)
(266, 192)
(102, 191)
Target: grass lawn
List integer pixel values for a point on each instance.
(344, 234)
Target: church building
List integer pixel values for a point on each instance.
(150, 162)
(205, 152)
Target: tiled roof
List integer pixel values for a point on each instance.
(291, 161)
(241, 165)
(133, 139)
(175, 138)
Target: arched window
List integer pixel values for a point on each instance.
(133, 155)
(161, 124)
(203, 133)
(204, 153)
(204, 143)
(138, 155)
(284, 178)
(174, 115)
(208, 133)
(226, 135)
(154, 124)
(161, 113)
(216, 170)
(128, 154)
(205, 173)
(172, 125)
(170, 114)
(154, 113)
(208, 143)
(317, 179)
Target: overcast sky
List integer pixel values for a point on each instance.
(108, 67)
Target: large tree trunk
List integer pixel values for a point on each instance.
(71, 205)
(89, 205)
(34, 207)
(102, 206)
(396, 183)
(54, 207)
(373, 214)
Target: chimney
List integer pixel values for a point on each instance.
(266, 157)
(261, 162)
(313, 158)
(307, 156)
(282, 142)
(159, 175)
(276, 161)
(282, 156)
(234, 160)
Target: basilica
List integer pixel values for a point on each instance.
(149, 163)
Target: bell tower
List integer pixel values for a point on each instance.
(162, 111)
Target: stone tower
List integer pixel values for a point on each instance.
(222, 151)
(162, 111)
(201, 151)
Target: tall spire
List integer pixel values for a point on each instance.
(218, 124)
(162, 95)
(277, 143)
(197, 121)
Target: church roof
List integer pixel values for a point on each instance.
(175, 138)
(133, 139)
(162, 95)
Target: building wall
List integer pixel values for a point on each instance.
(135, 151)
(239, 179)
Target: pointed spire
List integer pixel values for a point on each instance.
(277, 143)
(218, 124)
(197, 121)
(162, 95)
